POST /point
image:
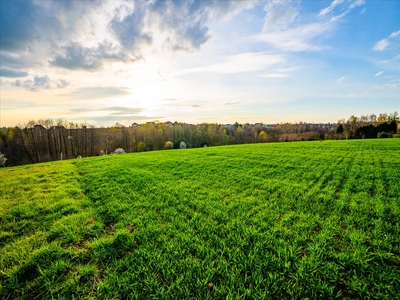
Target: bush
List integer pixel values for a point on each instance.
(182, 145)
(141, 146)
(262, 137)
(383, 135)
(169, 145)
(119, 151)
(3, 159)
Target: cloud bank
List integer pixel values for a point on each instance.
(12, 74)
(40, 82)
(85, 35)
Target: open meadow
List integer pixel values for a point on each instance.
(258, 221)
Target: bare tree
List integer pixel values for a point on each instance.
(3, 159)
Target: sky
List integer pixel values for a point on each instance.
(104, 62)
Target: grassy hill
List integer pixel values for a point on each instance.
(285, 220)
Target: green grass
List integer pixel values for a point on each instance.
(318, 220)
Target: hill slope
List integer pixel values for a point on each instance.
(287, 220)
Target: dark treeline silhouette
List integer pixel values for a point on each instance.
(47, 140)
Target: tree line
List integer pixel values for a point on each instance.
(47, 140)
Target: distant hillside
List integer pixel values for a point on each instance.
(47, 140)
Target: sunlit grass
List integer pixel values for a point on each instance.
(289, 220)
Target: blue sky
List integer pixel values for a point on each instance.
(198, 61)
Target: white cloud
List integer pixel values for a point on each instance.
(335, 3)
(391, 86)
(113, 110)
(279, 15)
(296, 39)
(379, 74)
(334, 18)
(384, 43)
(394, 34)
(275, 75)
(339, 80)
(98, 92)
(356, 3)
(225, 10)
(381, 45)
(328, 9)
(351, 6)
(281, 31)
(243, 62)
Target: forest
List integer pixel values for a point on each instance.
(48, 140)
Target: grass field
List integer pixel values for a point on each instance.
(318, 220)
